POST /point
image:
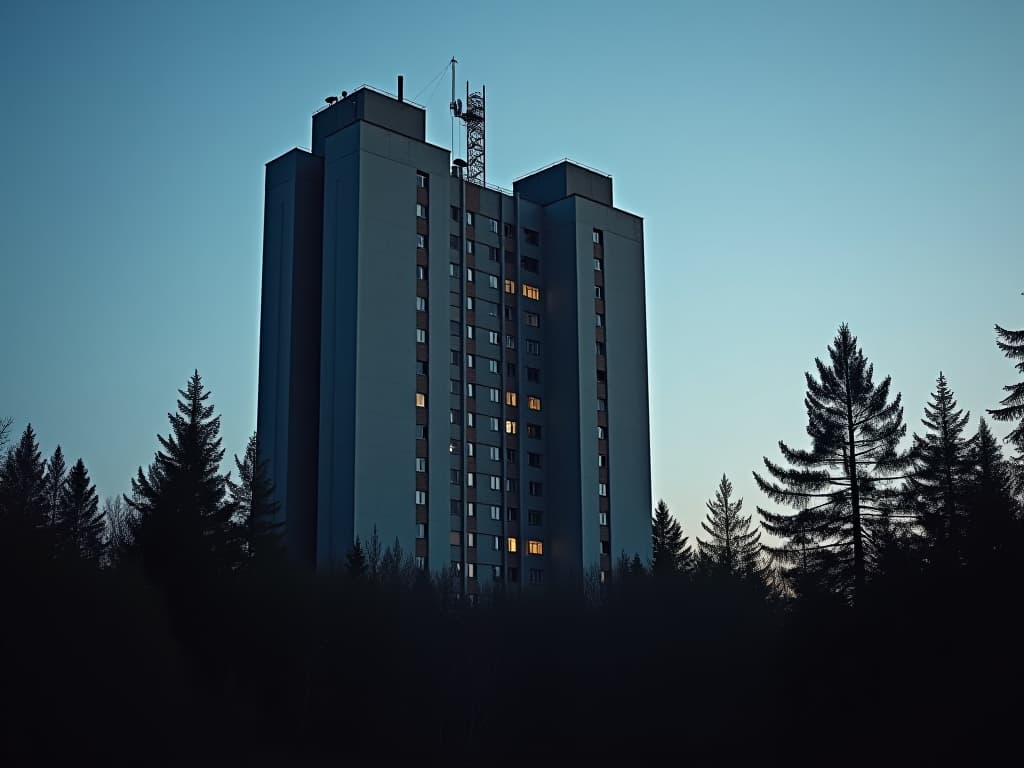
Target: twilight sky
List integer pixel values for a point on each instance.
(797, 164)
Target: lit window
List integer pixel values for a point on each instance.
(493, 337)
(421, 304)
(470, 570)
(512, 544)
(421, 400)
(470, 539)
(492, 281)
(421, 180)
(421, 211)
(421, 497)
(534, 403)
(535, 547)
(531, 292)
(421, 336)
(495, 512)
(495, 453)
(533, 319)
(421, 241)
(469, 361)
(510, 286)
(421, 465)
(495, 483)
(602, 489)
(511, 398)
(495, 395)
(511, 426)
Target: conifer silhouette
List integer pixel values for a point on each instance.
(22, 483)
(53, 487)
(992, 509)
(732, 547)
(845, 479)
(254, 507)
(670, 552)
(81, 525)
(1012, 345)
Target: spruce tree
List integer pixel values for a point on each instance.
(732, 547)
(22, 486)
(81, 526)
(255, 509)
(670, 552)
(53, 487)
(185, 522)
(1012, 345)
(844, 480)
(355, 561)
(936, 483)
(991, 508)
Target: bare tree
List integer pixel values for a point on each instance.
(5, 430)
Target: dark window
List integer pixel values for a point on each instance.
(536, 575)
(535, 517)
(421, 367)
(533, 374)
(510, 257)
(456, 507)
(510, 455)
(455, 214)
(513, 574)
(533, 319)
(455, 241)
(602, 375)
(493, 253)
(508, 230)
(511, 369)
(454, 358)
(513, 514)
(532, 347)
(534, 430)
(456, 327)
(533, 459)
(536, 489)
(421, 431)
(456, 476)
(532, 236)
(530, 265)
(510, 313)
(422, 181)
(453, 270)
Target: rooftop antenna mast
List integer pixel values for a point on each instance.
(455, 105)
(473, 116)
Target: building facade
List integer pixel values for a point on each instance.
(461, 367)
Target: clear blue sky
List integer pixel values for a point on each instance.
(797, 165)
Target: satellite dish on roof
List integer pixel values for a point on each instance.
(331, 99)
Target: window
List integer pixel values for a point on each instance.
(470, 539)
(511, 369)
(602, 518)
(513, 514)
(602, 489)
(511, 426)
(453, 270)
(601, 433)
(421, 304)
(421, 562)
(492, 281)
(598, 292)
(535, 517)
(421, 497)
(513, 574)
(534, 430)
(470, 419)
(531, 292)
(421, 465)
(495, 512)
(511, 398)
(602, 460)
(495, 453)
(421, 211)
(495, 395)
(421, 431)
(597, 236)
(512, 544)
(532, 347)
(510, 286)
(493, 366)
(421, 179)
(495, 483)
(530, 265)
(469, 303)
(511, 485)
(469, 274)
(421, 400)
(456, 565)
(421, 241)
(597, 265)
(600, 348)
(536, 489)
(510, 313)
(533, 459)
(469, 218)
(470, 509)
(602, 404)
(454, 242)
(599, 321)
(421, 272)
(534, 403)
(470, 389)
(470, 478)
(535, 547)
(453, 448)
(532, 236)
(421, 336)
(508, 230)
(489, 307)
(533, 319)
(605, 548)
(532, 374)
(455, 416)
(494, 424)
(470, 569)
(492, 253)
(511, 455)
(456, 476)
(602, 375)
(469, 246)
(496, 569)
(453, 327)
(455, 213)
(421, 531)
(492, 336)
(493, 226)
(469, 331)
(510, 341)
(536, 576)
(469, 361)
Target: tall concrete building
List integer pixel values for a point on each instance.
(462, 367)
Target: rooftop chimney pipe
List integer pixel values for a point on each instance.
(401, 88)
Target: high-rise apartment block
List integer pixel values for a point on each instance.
(461, 367)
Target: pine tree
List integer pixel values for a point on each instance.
(1012, 345)
(936, 484)
(671, 554)
(81, 527)
(991, 508)
(355, 561)
(255, 509)
(53, 487)
(22, 487)
(844, 480)
(185, 524)
(733, 548)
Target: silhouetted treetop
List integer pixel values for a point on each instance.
(670, 552)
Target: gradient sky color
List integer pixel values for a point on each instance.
(798, 164)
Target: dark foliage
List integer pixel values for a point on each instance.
(256, 512)
(732, 547)
(1012, 345)
(670, 552)
(80, 527)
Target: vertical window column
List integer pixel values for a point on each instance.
(601, 365)
(421, 514)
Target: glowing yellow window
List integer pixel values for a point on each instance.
(535, 547)
(511, 398)
(510, 286)
(421, 400)
(511, 427)
(512, 544)
(531, 292)
(534, 403)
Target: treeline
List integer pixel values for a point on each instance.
(880, 624)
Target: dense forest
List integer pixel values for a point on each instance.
(867, 613)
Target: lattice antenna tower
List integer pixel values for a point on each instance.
(473, 116)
